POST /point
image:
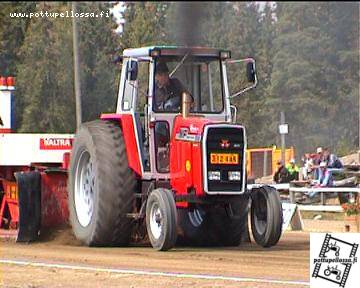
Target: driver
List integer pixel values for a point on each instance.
(168, 90)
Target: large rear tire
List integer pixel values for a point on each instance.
(161, 219)
(215, 225)
(101, 185)
(266, 216)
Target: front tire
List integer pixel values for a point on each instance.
(266, 216)
(101, 185)
(161, 219)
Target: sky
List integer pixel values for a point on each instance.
(116, 10)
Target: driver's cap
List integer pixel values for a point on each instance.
(161, 67)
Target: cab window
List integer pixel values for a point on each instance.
(199, 76)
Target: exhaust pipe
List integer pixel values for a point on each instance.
(185, 104)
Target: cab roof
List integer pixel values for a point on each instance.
(175, 51)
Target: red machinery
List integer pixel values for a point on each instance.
(33, 175)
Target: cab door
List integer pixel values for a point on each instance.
(133, 90)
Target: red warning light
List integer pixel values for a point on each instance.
(10, 81)
(3, 81)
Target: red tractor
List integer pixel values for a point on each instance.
(170, 159)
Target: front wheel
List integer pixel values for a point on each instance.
(161, 219)
(266, 216)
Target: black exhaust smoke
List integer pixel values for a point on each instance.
(189, 18)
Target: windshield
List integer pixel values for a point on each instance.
(199, 76)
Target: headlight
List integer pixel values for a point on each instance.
(214, 175)
(234, 175)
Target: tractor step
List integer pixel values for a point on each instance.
(135, 215)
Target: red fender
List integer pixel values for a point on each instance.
(126, 122)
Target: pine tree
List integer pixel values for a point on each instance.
(44, 81)
(47, 97)
(246, 41)
(12, 34)
(99, 76)
(144, 24)
(265, 131)
(342, 30)
(315, 74)
(297, 77)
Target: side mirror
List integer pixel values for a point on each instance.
(132, 70)
(250, 72)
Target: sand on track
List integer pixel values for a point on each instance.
(288, 260)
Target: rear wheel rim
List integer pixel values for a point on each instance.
(156, 221)
(196, 217)
(84, 189)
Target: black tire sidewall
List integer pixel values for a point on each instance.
(167, 207)
(273, 227)
(115, 185)
(174, 218)
(82, 143)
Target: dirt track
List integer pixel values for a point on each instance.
(288, 261)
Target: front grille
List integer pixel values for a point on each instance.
(225, 140)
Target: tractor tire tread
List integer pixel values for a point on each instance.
(116, 182)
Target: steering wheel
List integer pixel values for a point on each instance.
(172, 104)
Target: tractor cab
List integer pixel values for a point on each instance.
(153, 83)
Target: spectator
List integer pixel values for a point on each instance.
(333, 164)
(317, 160)
(293, 170)
(281, 175)
(308, 164)
(326, 179)
(319, 156)
(332, 161)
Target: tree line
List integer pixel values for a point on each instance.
(307, 63)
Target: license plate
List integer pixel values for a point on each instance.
(224, 158)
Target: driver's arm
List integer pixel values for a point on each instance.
(173, 103)
(181, 88)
